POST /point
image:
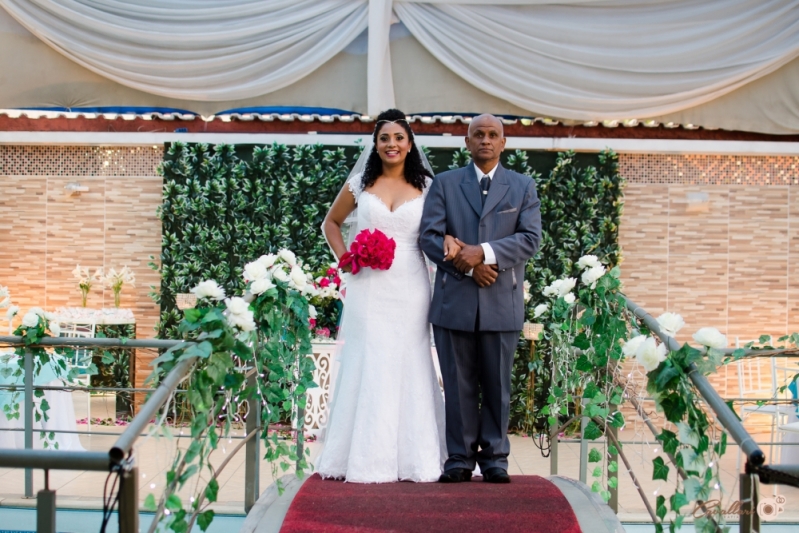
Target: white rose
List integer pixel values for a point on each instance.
(30, 320)
(569, 298)
(312, 311)
(243, 321)
(670, 323)
(237, 305)
(38, 310)
(280, 275)
(55, 329)
(260, 286)
(540, 310)
(209, 289)
(591, 275)
(12, 312)
(298, 277)
(287, 256)
(254, 271)
(711, 337)
(650, 354)
(588, 261)
(267, 260)
(632, 345)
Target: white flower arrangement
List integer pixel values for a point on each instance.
(670, 323)
(85, 280)
(560, 287)
(116, 280)
(282, 267)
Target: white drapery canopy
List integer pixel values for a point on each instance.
(578, 59)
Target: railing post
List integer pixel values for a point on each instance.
(553, 454)
(614, 492)
(748, 490)
(583, 443)
(300, 445)
(129, 500)
(45, 507)
(28, 414)
(251, 451)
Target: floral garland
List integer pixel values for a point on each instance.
(233, 338)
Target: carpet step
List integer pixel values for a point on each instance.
(530, 504)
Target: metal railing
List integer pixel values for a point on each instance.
(119, 457)
(756, 469)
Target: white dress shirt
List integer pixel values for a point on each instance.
(490, 258)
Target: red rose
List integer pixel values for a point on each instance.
(370, 249)
(324, 282)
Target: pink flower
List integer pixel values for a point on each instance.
(324, 282)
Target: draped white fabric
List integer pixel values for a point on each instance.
(609, 60)
(196, 49)
(567, 59)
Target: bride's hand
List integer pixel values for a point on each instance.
(451, 248)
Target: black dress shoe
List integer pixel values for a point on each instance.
(496, 475)
(455, 475)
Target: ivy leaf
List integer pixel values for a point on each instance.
(660, 510)
(613, 482)
(613, 466)
(660, 469)
(669, 441)
(204, 519)
(594, 456)
(677, 501)
(149, 503)
(212, 490)
(592, 431)
(674, 407)
(173, 503)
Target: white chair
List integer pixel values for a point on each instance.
(81, 358)
(762, 378)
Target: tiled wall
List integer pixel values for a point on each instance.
(706, 236)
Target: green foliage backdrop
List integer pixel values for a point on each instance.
(227, 205)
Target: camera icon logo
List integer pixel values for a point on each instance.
(771, 507)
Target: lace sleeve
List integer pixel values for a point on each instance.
(427, 183)
(355, 186)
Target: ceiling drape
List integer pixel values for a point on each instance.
(576, 60)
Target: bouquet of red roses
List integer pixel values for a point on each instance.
(372, 249)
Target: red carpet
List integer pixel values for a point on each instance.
(530, 504)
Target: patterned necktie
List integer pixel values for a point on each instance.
(485, 184)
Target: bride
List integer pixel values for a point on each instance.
(386, 419)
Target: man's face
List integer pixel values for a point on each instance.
(485, 140)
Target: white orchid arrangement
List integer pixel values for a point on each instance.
(116, 279)
(5, 302)
(86, 280)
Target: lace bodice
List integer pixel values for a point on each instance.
(402, 224)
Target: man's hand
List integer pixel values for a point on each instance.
(485, 275)
(469, 257)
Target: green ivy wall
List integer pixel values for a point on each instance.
(224, 206)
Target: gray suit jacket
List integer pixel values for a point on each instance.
(510, 222)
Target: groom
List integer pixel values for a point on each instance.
(478, 301)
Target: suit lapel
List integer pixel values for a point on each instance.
(499, 188)
(471, 189)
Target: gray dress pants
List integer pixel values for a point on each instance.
(475, 366)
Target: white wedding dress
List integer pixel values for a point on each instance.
(387, 415)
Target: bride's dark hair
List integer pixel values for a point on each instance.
(415, 172)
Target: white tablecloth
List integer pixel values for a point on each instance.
(61, 415)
